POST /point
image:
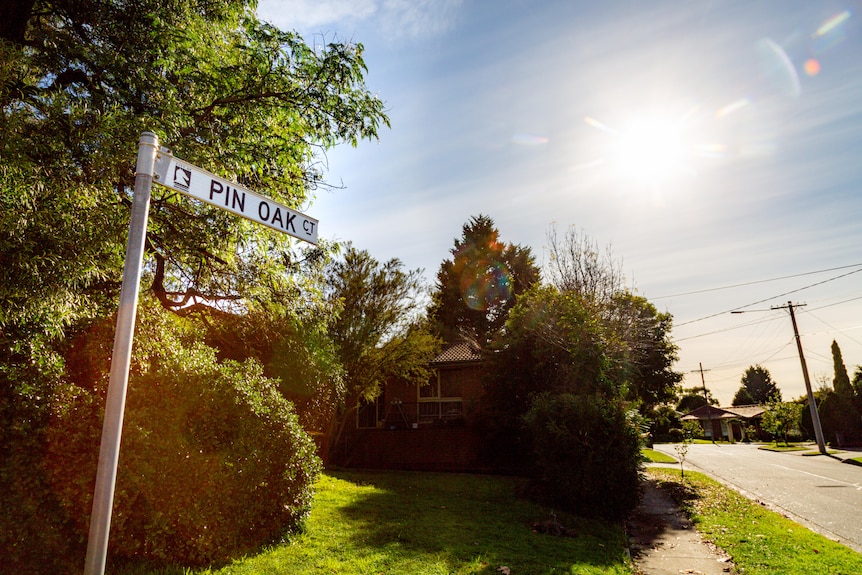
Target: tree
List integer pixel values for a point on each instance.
(693, 397)
(650, 352)
(477, 287)
(841, 383)
(759, 385)
(587, 454)
(376, 332)
(578, 266)
(690, 430)
(782, 417)
(640, 337)
(742, 397)
(224, 90)
(79, 82)
(857, 389)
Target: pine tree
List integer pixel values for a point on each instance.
(841, 382)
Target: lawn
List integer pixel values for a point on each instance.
(407, 523)
(654, 456)
(760, 541)
(783, 447)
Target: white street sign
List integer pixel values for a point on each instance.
(198, 183)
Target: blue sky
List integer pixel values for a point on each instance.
(706, 144)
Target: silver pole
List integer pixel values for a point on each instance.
(109, 451)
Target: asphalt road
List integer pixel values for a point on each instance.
(819, 492)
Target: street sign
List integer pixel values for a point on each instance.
(200, 184)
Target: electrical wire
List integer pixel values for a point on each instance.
(740, 308)
(707, 290)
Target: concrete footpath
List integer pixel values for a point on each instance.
(664, 542)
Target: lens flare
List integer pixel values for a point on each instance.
(484, 284)
(812, 67)
(833, 23)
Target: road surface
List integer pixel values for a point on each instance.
(819, 492)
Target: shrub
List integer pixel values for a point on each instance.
(213, 460)
(587, 455)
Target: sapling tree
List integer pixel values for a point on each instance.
(690, 430)
(781, 417)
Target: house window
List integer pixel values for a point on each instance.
(369, 413)
(441, 398)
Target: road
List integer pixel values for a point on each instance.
(819, 492)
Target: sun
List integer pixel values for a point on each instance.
(650, 148)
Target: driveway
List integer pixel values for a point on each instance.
(819, 492)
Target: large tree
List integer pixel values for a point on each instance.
(841, 382)
(222, 89)
(478, 286)
(759, 385)
(377, 332)
(79, 82)
(693, 397)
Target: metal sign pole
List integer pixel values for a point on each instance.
(109, 451)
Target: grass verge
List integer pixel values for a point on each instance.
(760, 541)
(654, 456)
(785, 447)
(407, 523)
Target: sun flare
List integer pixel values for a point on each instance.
(650, 149)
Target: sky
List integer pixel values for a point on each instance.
(713, 149)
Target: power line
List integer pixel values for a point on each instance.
(740, 326)
(771, 298)
(707, 290)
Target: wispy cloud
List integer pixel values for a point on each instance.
(395, 17)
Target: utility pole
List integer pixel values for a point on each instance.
(812, 404)
(706, 399)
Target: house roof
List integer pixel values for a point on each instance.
(733, 412)
(461, 352)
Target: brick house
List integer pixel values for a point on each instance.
(428, 427)
(726, 423)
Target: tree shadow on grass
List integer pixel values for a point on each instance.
(475, 522)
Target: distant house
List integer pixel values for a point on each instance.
(728, 422)
(423, 427)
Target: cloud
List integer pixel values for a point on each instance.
(311, 14)
(396, 17)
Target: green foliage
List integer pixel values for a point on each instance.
(214, 461)
(377, 334)
(587, 454)
(477, 287)
(662, 420)
(742, 397)
(691, 399)
(294, 347)
(759, 385)
(551, 345)
(780, 418)
(648, 348)
(224, 90)
(838, 415)
(841, 382)
(79, 82)
(687, 434)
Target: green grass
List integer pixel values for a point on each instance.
(785, 447)
(656, 456)
(855, 460)
(813, 453)
(760, 541)
(410, 523)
